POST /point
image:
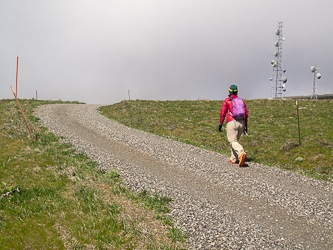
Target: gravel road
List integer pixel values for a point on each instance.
(217, 204)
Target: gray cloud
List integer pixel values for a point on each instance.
(95, 51)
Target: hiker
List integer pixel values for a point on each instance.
(236, 111)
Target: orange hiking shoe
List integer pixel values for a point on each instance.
(231, 161)
(242, 159)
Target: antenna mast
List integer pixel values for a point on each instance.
(316, 75)
(278, 80)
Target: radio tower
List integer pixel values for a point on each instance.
(278, 80)
(316, 75)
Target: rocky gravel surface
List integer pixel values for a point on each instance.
(217, 204)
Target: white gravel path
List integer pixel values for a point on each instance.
(219, 205)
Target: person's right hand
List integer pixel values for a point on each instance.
(220, 128)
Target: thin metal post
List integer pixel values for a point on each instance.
(299, 132)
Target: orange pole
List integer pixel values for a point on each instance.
(22, 114)
(16, 75)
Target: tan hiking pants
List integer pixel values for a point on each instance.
(234, 136)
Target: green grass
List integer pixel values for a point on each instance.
(54, 197)
(272, 128)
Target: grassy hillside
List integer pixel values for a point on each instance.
(53, 197)
(272, 128)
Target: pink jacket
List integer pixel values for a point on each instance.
(227, 105)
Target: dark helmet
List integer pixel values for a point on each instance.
(233, 90)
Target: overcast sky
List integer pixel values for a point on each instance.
(95, 51)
